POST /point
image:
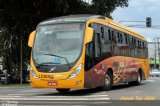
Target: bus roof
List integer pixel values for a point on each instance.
(71, 18)
(85, 18)
(126, 29)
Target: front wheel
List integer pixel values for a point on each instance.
(108, 81)
(63, 90)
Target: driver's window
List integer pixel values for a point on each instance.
(97, 38)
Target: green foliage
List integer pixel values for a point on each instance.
(105, 7)
(20, 17)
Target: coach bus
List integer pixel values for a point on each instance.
(86, 51)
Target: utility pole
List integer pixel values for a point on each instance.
(158, 51)
(155, 53)
(21, 71)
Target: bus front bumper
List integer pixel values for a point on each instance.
(67, 83)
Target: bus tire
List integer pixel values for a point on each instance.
(138, 81)
(108, 81)
(62, 90)
(139, 78)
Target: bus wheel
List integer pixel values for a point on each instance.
(138, 81)
(108, 82)
(62, 90)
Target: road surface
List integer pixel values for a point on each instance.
(148, 93)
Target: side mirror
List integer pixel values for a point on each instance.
(88, 35)
(31, 39)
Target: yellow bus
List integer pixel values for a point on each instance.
(86, 51)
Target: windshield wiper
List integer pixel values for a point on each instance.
(60, 57)
(45, 64)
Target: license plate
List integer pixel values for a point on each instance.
(52, 83)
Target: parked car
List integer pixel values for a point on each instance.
(154, 73)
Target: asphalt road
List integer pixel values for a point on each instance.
(147, 94)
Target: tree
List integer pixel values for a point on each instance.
(20, 17)
(105, 7)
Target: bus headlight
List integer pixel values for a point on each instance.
(76, 71)
(33, 73)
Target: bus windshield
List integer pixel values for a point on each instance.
(58, 40)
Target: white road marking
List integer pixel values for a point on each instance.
(139, 91)
(45, 99)
(58, 96)
(35, 90)
(75, 96)
(4, 96)
(54, 105)
(30, 97)
(18, 94)
(74, 102)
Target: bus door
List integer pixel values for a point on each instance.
(88, 65)
(97, 59)
(93, 57)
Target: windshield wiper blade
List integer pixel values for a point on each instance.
(45, 64)
(60, 57)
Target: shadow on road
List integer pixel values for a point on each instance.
(126, 86)
(83, 92)
(75, 92)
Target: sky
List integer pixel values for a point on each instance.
(138, 10)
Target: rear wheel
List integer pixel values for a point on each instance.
(62, 90)
(108, 82)
(138, 81)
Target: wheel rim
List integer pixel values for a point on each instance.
(139, 78)
(107, 80)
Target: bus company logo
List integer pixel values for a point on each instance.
(46, 76)
(52, 69)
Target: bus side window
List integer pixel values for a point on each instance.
(135, 42)
(102, 32)
(121, 39)
(143, 49)
(97, 39)
(146, 50)
(106, 35)
(143, 45)
(130, 41)
(97, 45)
(103, 40)
(118, 37)
(94, 26)
(109, 34)
(113, 36)
(126, 38)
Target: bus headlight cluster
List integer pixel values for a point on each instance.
(33, 73)
(76, 71)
